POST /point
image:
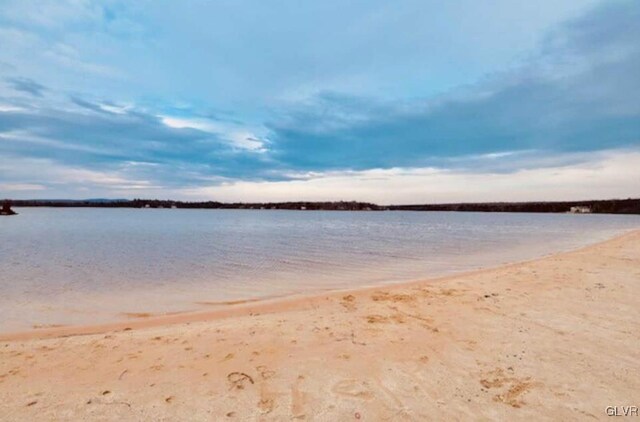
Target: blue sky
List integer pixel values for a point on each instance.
(408, 101)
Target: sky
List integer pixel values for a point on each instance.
(408, 101)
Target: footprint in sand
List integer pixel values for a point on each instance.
(516, 387)
(227, 357)
(383, 319)
(239, 380)
(267, 400)
(353, 388)
(298, 399)
(265, 372)
(348, 302)
(391, 297)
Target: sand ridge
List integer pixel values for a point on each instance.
(550, 339)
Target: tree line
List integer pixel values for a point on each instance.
(610, 206)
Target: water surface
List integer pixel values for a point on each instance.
(83, 266)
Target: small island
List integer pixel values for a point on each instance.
(6, 208)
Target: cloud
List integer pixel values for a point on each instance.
(100, 107)
(40, 174)
(27, 85)
(106, 137)
(557, 108)
(237, 134)
(578, 93)
(15, 187)
(610, 174)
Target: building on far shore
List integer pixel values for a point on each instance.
(580, 210)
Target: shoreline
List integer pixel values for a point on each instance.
(553, 338)
(258, 306)
(600, 206)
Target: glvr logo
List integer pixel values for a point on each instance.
(622, 411)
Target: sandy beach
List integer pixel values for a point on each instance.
(550, 339)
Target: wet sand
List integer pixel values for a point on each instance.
(550, 339)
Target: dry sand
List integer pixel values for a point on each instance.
(552, 339)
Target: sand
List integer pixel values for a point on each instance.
(551, 339)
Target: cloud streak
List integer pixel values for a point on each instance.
(27, 85)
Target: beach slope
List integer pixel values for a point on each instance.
(550, 339)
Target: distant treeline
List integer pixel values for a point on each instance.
(158, 203)
(611, 206)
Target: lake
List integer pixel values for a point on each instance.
(92, 265)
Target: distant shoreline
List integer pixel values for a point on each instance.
(608, 206)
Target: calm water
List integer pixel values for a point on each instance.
(72, 266)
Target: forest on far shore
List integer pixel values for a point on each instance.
(609, 206)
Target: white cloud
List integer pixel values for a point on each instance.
(5, 108)
(12, 187)
(247, 140)
(237, 135)
(185, 123)
(115, 109)
(613, 174)
(29, 174)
